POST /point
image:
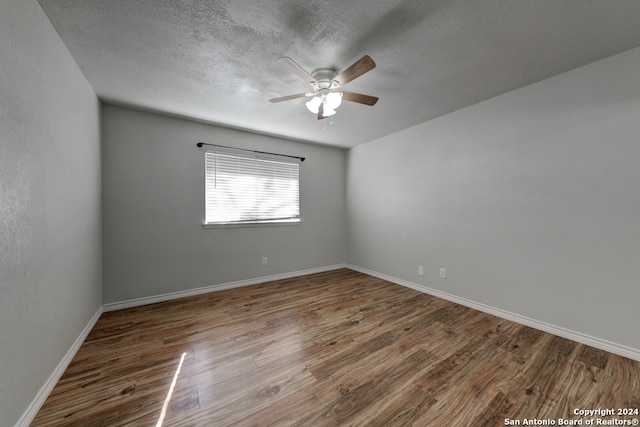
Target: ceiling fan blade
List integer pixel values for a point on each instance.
(357, 69)
(359, 98)
(321, 112)
(288, 97)
(293, 65)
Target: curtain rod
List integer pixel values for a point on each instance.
(200, 144)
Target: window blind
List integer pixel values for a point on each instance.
(242, 189)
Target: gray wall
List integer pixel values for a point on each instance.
(531, 200)
(153, 196)
(50, 260)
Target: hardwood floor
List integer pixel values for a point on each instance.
(330, 349)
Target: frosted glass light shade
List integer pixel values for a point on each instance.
(333, 100)
(313, 104)
(328, 111)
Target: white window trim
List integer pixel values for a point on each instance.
(252, 224)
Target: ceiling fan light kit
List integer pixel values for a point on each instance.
(326, 85)
(331, 101)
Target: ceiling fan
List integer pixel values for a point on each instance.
(326, 85)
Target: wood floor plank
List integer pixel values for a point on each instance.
(338, 348)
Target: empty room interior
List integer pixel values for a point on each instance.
(319, 213)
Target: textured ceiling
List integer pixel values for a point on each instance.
(217, 60)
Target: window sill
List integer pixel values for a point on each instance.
(251, 224)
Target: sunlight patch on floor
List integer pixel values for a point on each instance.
(168, 399)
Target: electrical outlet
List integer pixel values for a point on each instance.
(265, 260)
(443, 273)
(420, 270)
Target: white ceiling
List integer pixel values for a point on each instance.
(217, 60)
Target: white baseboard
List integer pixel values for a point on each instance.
(33, 408)
(621, 350)
(231, 285)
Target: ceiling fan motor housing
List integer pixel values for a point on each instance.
(324, 76)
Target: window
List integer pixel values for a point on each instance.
(247, 190)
